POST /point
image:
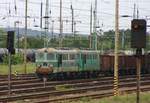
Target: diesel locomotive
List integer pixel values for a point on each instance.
(54, 63)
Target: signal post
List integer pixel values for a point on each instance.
(11, 50)
(138, 64)
(138, 41)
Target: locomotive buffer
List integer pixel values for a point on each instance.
(138, 41)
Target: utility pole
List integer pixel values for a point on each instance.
(134, 12)
(17, 22)
(52, 28)
(72, 25)
(116, 91)
(137, 10)
(74, 29)
(9, 14)
(60, 35)
(17, 33)
(41, 18)
(25, 37)
(94, 41)
(15, 7)
(18, 37)
(137, 13)
(90, 39)
(123, 40)
(46, 24)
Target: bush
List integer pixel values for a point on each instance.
(15, 59)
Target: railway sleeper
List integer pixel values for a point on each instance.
(69, 75)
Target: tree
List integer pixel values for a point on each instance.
(15, 59)
(3, 38)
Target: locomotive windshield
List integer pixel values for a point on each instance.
(40, 56)
(50, 56)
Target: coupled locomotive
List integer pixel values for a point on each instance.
(60, 64)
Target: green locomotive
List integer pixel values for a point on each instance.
(60, 64)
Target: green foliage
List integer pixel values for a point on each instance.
(70, 41)
(128, 98)
(35, 42)
(105, 41)
(63, 87)
(85, 99)
(19, 68)
(148, 43)
(15, 59)
(32, 42)
(2, 38)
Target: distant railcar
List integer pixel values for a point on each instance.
(126, 64)
(30, 54)
(3, 52)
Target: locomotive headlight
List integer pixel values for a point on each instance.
(51, 65)
(39, 65)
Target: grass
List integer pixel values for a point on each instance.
(63, 87)
(131, 98)
(19, 68)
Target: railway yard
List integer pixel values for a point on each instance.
(27, 88)
(74, 51)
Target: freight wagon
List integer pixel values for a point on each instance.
(126, 64)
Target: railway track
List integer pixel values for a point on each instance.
(34, 82)
(53, 87)
(77, 86)
(22, 80)
(37, 83)
(18, 77)
(91, 95)
(83, 90)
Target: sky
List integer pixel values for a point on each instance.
(105, 13)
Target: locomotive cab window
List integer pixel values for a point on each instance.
(72, 56)
(94, 56)
(64, 56)
(40, 56)
(89, 56)
(50, 56)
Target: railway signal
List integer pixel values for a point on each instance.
(138, 41)
(10, 42)
(138, 33)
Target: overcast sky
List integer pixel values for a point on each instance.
(105, 15)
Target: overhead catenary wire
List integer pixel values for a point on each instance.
(74, 8)
(84, 11)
